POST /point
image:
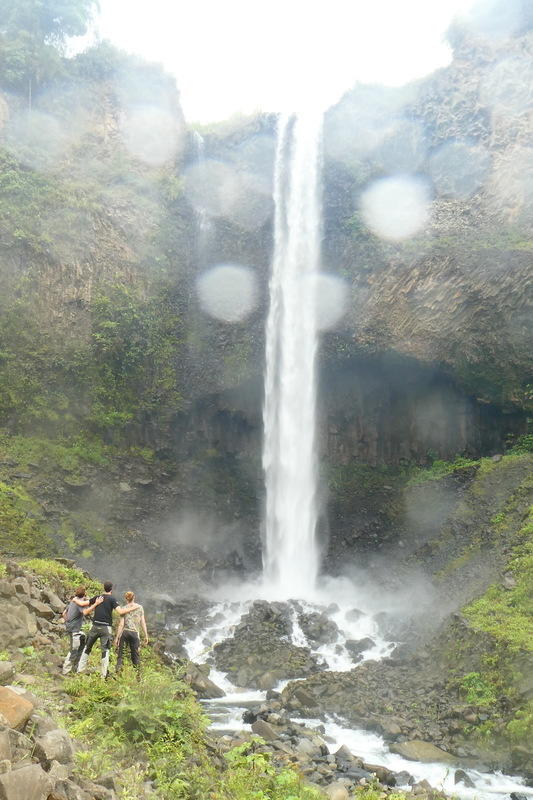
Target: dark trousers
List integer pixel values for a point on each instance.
(131, 639)
(104, 633)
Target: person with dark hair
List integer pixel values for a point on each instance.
(129, 630)
(73, 618)
(103, 607)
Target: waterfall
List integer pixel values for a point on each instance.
(291, 557)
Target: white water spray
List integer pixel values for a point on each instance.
(291, 557)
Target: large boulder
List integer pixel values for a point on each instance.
(17, 624)
(200, 683)
(318, 628)
(15, 710)
(416, 750)
(54, 746)
(27, 783)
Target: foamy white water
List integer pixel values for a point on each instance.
(291, 557)
(226, 712)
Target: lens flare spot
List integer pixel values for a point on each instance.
(459, 168)
(151, 134)
(397, 207)
(228, 292)
(36, 139)
(219, 190)
(331, 299)
(508, 86)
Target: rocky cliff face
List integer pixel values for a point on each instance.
(107, 222)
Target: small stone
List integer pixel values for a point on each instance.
(7, 671)
(124, 487)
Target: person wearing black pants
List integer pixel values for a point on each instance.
(103, 608)
(128, 633)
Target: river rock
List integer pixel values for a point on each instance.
(337, 791)
(357, 646)
(200, 683)
(318, 628)
(265, 730)
(460, 776)
(417, 750)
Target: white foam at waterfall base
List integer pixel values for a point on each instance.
(226, 712)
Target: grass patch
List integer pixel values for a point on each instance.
(62, 578)
(439, 469)
(506, 613)
(22, 531)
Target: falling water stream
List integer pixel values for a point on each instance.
(291, 556)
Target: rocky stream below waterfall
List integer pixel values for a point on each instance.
(336, 688)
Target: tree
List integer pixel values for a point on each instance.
(33, 35)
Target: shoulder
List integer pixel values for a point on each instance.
(113, 600)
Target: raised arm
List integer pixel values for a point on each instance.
(125, 610)
(91, 608)
(82, 603)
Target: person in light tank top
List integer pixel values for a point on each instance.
(129, 632)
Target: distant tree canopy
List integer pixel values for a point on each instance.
(32, 37)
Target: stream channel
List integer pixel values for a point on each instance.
(226, 712)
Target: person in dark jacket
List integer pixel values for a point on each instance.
(73, 617)
(103, 607)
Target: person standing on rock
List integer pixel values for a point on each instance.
(129, 632)
(103, 607)
(73, 617)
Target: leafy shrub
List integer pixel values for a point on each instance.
(477, 690)
(64, 579)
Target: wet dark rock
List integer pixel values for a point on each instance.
(460, 776)
(403, 778)
(354, 615)
(358, 646)
(318, 628)
(265, 730)
(197, 679)
(260, 652)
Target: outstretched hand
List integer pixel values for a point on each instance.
(99, 601)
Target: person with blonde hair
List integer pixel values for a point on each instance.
(129, 631)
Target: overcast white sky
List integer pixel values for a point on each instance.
(244, 55)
